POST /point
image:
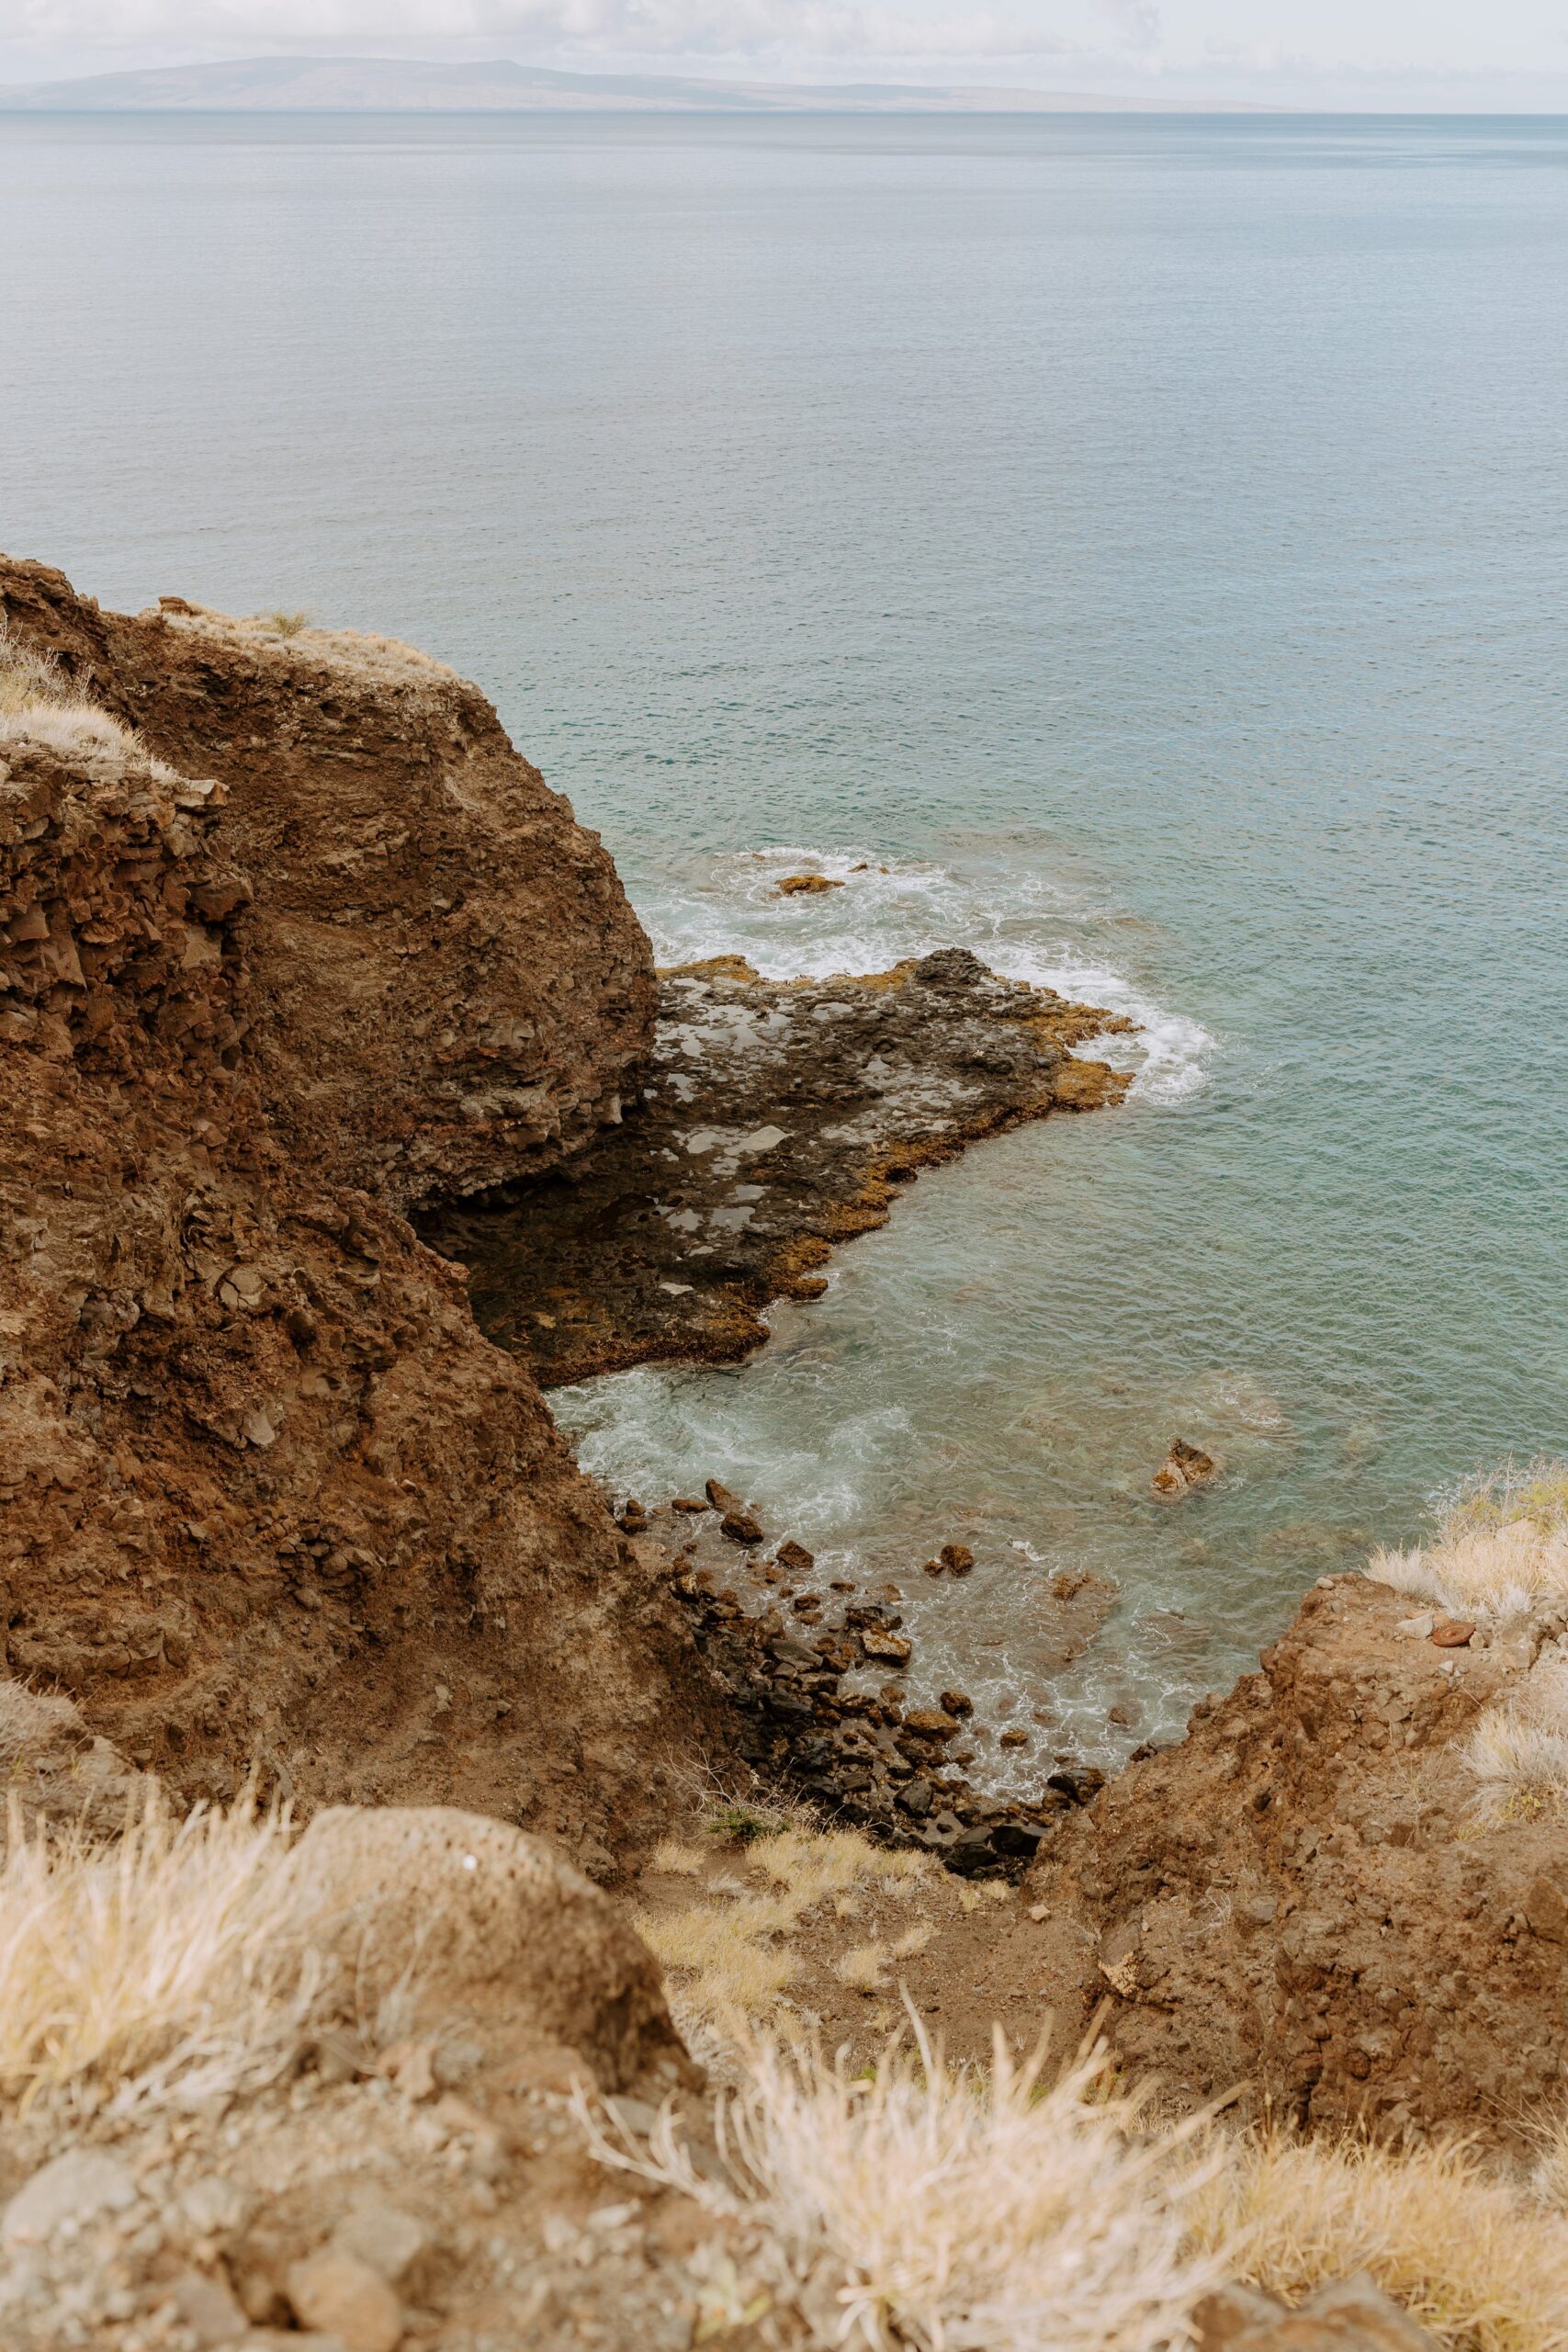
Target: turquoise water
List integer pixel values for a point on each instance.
(1144, 539)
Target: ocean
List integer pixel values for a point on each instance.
(1141, 543)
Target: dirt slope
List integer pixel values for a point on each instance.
(1301, 1896)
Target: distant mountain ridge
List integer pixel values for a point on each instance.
(498, 85)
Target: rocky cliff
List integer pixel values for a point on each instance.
(291, 939)
(1306, 1896)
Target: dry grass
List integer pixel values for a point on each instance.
(156, 1967)
(31, 1722)
(1551, 2180)
(1501, 1546)
(384, 658)
(672, 1854)
(1471, 2256)
(942, 2209)
(1518, 1749)
(937, 2208)
(40, 704)
(730, 1956)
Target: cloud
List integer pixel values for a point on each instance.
(827, 28)
(1138, 22)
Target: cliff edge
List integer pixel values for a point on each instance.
(291, 939)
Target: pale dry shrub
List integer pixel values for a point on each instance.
(1464, 2251)
(31, 1722)
(1518, 1748)
(730, 1952)
(937, 2208)
(158, 1966)
(1501, 1546)
(40, 704)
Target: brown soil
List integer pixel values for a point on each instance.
(774, 1118)
(1299, 1897)
(266, 1491)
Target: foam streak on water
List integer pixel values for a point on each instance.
(1014, 916)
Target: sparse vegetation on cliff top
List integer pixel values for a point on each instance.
(1501, 1545)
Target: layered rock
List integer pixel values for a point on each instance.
(1305, 1895)
(310, 943)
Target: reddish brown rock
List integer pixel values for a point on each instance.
(1303, 1896)
(266, 1491)
(1184, 1468)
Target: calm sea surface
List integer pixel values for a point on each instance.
(1145, 540)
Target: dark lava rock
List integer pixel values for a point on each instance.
(774, 1119)
(855, 1753)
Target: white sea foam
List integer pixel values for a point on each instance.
(1020, 921)
(832, 1431)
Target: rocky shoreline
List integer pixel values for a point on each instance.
(771, 1120)
(295, 950)
(825, 1713)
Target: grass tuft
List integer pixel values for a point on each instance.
(40, 704)
(732, 1962)
(942, 2210)
(1518, 1750)
(1466, 2253)
(288, 623)
(153, 1968)
(743, 1825)
(1501, 1546)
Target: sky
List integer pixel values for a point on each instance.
(1398, 55)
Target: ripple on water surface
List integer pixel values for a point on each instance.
(927, 1399)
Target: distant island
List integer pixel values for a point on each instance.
(497, 85)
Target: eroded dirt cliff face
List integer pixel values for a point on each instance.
(1301, 1896)
(446, 985)
(267, 1492)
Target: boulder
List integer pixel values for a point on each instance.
(481, 1920)
(1184, 1468)
(66, 2194)
(1302, 1894)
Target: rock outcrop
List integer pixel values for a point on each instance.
(310, 944)
(774, 1119)
(1303, 1896)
